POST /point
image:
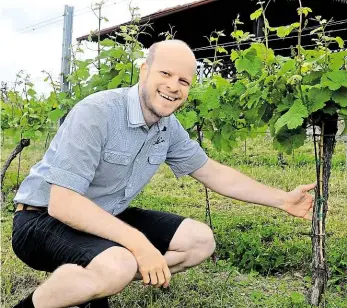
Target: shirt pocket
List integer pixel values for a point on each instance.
(156, 159)
(153, 164)
(112, 170)
(118, 158)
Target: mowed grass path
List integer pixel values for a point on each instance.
(211, 285)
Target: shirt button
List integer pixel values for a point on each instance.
(137, 160)
(155, 146)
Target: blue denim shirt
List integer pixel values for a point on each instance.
(105, 151)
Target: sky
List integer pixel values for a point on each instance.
(22, 48)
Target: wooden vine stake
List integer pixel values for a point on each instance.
(323, 169)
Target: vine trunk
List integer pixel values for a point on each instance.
(319, 264)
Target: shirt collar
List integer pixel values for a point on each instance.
(134, 111)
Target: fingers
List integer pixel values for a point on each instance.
(154, 279)
(145, 277)
(157, 278)
(161, 279)
(167, 275)
(309, 187)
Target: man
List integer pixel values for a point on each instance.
(72, 217)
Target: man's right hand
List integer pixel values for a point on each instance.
(152, 265)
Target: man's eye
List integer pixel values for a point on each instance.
(165, 73)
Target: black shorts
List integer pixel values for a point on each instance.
(44, 243)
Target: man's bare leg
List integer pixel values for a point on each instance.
(112, 270)
(192, 244)
(107, 274)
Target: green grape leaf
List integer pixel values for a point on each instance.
(317, 98)
(116, 81)
(288, 140)
(226, 131)
(107, 43)
(222, 85)
(229, 112)
(334, 80)
(311, 77)
(82, 73)
(56, 114)
(31, 92)
(340, 41)
(254, 98)
(330, 109)
(340, 97)
(286, 103)
(287, 66)
(237, 88)
(276, 96)
(220, 49)
(293, 118)
(284, 31)
(196, 92)
(234, 55)
(343, 111)
(217, 140)
(264, 53)
(187, 119)
(209, 100)
(256, 14)
(116, 52)
(337, 60)
(304, 10)
(249, 63)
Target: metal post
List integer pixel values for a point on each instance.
(66, 52)
(201, 76)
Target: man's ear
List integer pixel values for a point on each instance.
(144, 69)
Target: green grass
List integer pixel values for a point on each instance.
(264, 254)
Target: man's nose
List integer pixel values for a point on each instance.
(172, 85)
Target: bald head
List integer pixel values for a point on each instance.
(165, 79)
(173, 46)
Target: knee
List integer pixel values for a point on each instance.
(206, 240)
(202, 240)
(115, 268)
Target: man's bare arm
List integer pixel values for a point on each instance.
(84, 215)
(232, 183)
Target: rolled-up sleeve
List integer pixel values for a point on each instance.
(184, 155)
(78, 147)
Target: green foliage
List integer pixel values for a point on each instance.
(293, 118)
(116, 64)
(23, 114)
(283, 95)
(249, 62)
(257, 14)
(284, 31)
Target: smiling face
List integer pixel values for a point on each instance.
(166, 80)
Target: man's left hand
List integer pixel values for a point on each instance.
(299, 202)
